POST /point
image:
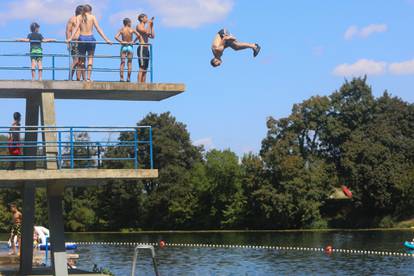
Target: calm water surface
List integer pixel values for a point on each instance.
(225, 262)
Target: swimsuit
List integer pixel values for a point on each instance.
(86, 47)
(16, 230)
(127, 49)
(35, 46)
(223, 33)
(143, 56)
(74, 49)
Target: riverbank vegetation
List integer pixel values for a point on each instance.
(347, 138)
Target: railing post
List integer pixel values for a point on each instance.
(53, 67)
(72, 154)
(151, 157)
(69, 63)
(136, 149)
(59, 149)
(152, 66)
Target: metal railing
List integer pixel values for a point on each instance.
(77, 147)
(57, 59)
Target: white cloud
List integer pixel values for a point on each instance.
(191, 13)
(46, 11)
(206, 142)
(360, 68)
(402, 68)
(116, 18)
(364, 32)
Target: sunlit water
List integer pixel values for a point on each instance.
(225, 262)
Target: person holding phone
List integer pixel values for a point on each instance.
(145, 28)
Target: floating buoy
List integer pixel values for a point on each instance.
(162, 244)
(346, 191)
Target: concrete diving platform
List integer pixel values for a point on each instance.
(82, 90)
(72, 177)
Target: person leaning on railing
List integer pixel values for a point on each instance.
(87, 42)
(36, 53)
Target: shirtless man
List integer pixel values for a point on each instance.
(16, 228)
(74, 47)
(223, 40)
(146, 29)
(85, 23)
(125, 36)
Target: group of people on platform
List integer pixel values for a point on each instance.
(82, 44)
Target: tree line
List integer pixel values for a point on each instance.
(347, 138)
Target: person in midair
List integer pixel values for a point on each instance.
(223, 40)
(146, 29)
(125, 36)
(36, 53)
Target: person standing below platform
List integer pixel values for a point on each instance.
(146, 29)
(74, 46)
(36, 53)
(223, 40)
(15, 236)
(15, 149)
(87, 42)
(125, 37)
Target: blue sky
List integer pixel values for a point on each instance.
(308, 48)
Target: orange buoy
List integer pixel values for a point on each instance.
(346, 191)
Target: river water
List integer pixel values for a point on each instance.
(237, 261)
(226, 262)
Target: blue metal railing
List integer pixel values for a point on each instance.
(78, 147)
(59, 59)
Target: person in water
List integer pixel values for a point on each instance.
(87, 42)
(14, 140)
(36, 53)
(146, 29)
(125, 37)
(74, 46)
(223, 40)
(16, 228)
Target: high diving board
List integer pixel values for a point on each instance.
(72, 177)
(82, 90)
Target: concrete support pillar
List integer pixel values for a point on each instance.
(29, 190)
(54, 190)
(56, 227)
(49, 119)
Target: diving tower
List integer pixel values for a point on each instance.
(40, 123)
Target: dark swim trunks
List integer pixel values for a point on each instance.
(223, 33)
(86, 47)
(143, 56)
(74, 49)
(16, 230)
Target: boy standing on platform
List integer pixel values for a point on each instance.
(125, 36)
(35, 38)
(146, 29)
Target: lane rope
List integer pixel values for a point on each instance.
(262, 247)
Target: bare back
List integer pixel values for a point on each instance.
(71, 25)
(127, 34)
(86, 24)
(218, 46)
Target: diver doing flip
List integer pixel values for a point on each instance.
(223, 40)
